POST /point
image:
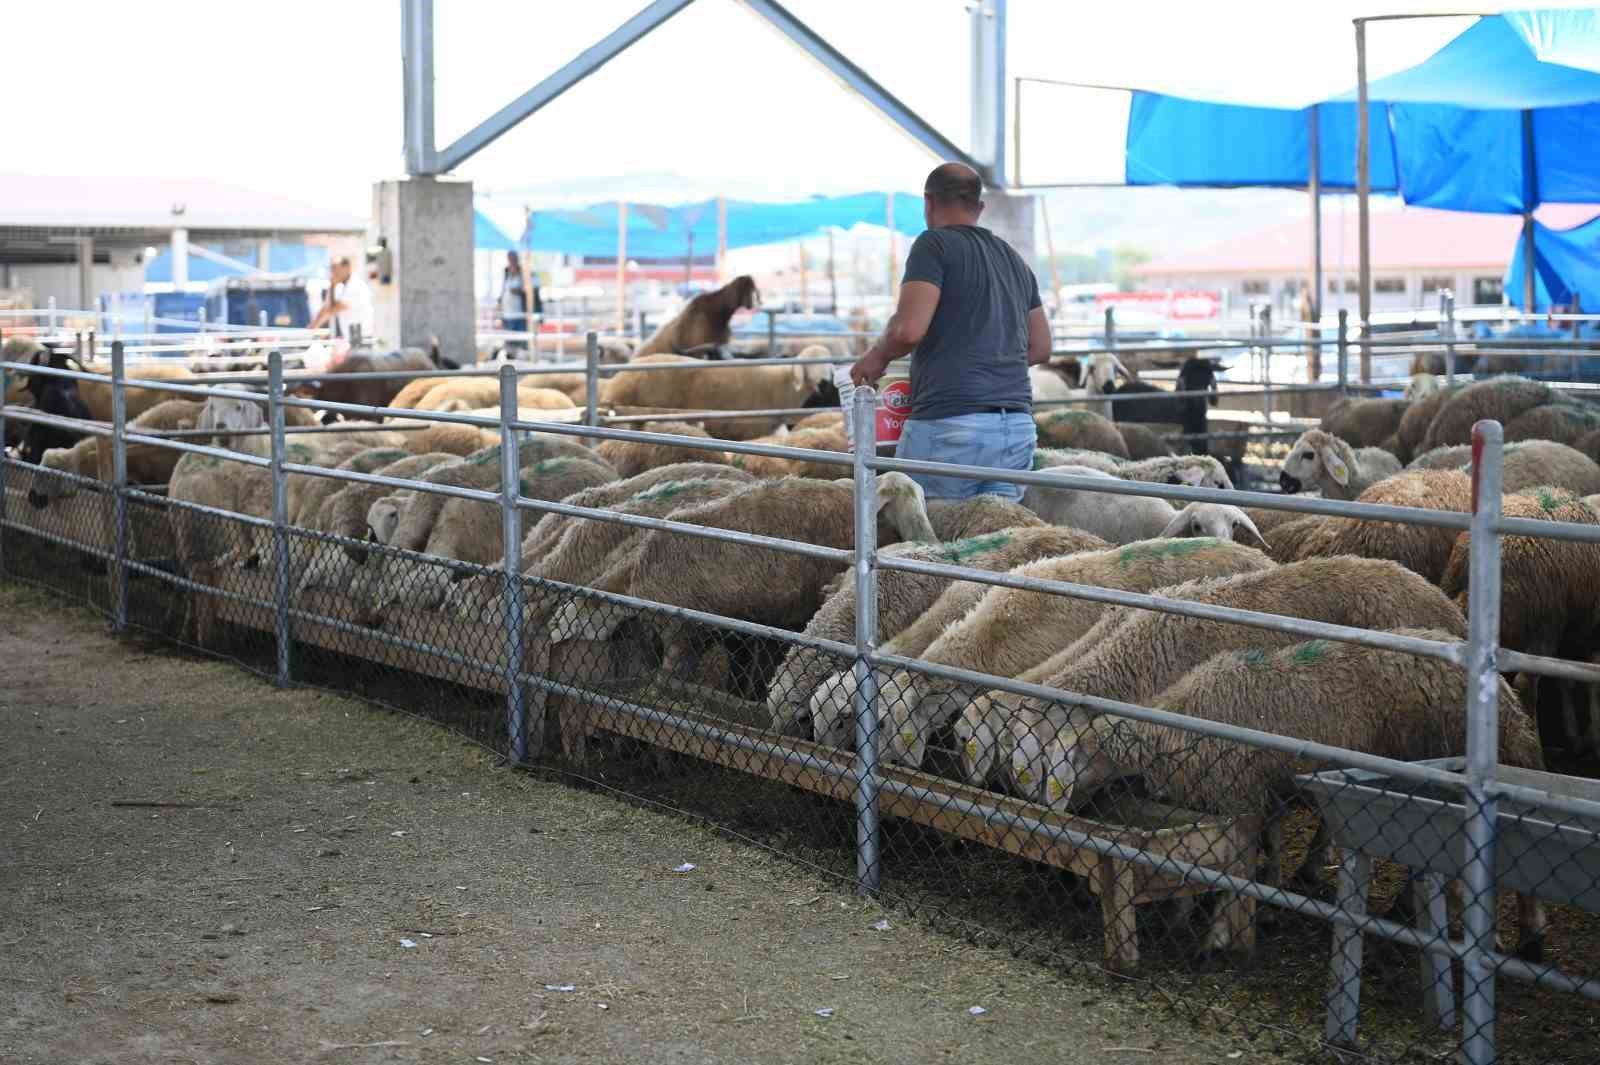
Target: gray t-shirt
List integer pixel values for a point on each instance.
(975, 354)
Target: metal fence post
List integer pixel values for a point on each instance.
(591, 379)
(1111, 329)
(526, 736)
(280, 514)
(1447, 325)
(1266, 359)
(1344, 351)
(863, 420)
(1483, 690)
(772, 332)
(51, 320)
(119, 488)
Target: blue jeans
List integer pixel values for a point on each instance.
(998, 441)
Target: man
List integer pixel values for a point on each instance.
(349, 303)
(969, 309)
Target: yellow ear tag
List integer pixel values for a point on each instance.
(1024, 777)
(972, 750)
(1054, 789)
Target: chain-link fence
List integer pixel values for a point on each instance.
(1295, 798)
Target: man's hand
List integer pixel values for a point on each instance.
(869, 367)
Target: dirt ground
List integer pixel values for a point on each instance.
(197, 868)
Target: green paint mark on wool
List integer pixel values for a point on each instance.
(551, 465)
(299, 453)
(1551, 501)
(1310, 651)
(667, 489)
(1165, 549)
(1254, 658)
(961, 550)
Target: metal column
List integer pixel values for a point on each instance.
(119, 488)
(416, 43)
(863, 417)
(280, 514)
(527, 738)
(591, 379)
(1483, 735)
(1363, 198)
(989, 89)
(1314, 189)
(1530, 196)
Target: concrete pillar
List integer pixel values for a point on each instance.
(428, 224)
(1010, 216)
(180, 257)
(86, 291)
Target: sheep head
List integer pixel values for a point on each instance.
(919, 704)
(1420, 385)
(1218, 520)
(1055, 757)
(1315, 453)
(46, 489)
(383, 518)
(978, 733)
(1200, 471)
(832, 708)
(223, 416)
(904, 508)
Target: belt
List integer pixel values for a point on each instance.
(1002, 410)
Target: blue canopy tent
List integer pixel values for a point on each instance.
(486, 236)
(1566, 267)
(1501, 119)
(652, 231)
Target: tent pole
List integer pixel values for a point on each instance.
(1314, 188)
(833, 278)
(1050, 250)
(1363, 195)
(1530, 197)
(622, 268)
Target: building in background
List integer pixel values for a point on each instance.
(1416, 253)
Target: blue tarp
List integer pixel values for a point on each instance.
(486, 236)
(659, 232)
(1503, 118)
(1567, 267)
(304, 259)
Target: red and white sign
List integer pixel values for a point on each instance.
(1169, 304)
(894, 408)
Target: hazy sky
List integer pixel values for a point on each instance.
(303, 96)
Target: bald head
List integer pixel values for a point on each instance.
(952, 195)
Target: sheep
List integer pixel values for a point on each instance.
(630, 458)
(413, 391)
(58, 396)
(146, 464)
(704, 320)
(1420, 386)
(1080, 429)
(1563, 422)
(469, 531)
(1187, 412)
(828, 419)
(1527, 464)
(1011, 630)
(1423, 549)
(1287, 539)
(1500, 399)
(1384, 703)
(307, 502)
(97, 394)
(958, 519)
(368, 391)
(1142, 442)
(1549, 591)
(766, 466)
(1414, 424)
(1339, 471)
(702, 387)
(344, 513)
(743, 581)
(1122, 519)
(451, 437)
(1196, 471)
(1364, 423)
(481, 469)
(903, 598)
(1131, 655)
(1046, 383)
(1096, 375)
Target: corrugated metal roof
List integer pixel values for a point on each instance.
(1414, 238)
(110, 206)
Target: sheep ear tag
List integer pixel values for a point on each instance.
(1335, 466)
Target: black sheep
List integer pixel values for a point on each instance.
(1196, 375)
(58, 396)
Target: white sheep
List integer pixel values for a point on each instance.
(1339, 471)
(1013, 629)
(1123, 519)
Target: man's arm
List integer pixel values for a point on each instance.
(1039, 340)
(906, 328)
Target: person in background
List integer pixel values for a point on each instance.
(349, 303)
(514, 302)
(969, 315)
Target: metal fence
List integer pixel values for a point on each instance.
(1134, 825)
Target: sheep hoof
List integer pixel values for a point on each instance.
(1531, 949)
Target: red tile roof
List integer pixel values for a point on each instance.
(1411, 238)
